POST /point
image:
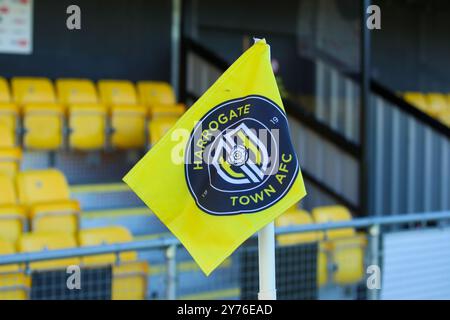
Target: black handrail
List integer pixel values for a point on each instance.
(405, 106)
(295, 110)
(387, 94)
(206, 54)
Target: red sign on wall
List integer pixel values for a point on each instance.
(16, 26)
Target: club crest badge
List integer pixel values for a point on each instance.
(239, 158)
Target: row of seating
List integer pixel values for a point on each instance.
(36, 200)
(341, 251)
(437, 105)
(129, 273)
(77, 114)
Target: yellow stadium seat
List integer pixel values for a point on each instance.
(115, 92)
(14, 284)
(76, 91)
(87, 126)
(43, 124)
(344, 247)
(417, 99)
(333, 214)
(129, 275)
(437, 103)
(5, 96)
(43, 118)
(127, 117)
(40, 241)
(12, 216)
(296, 217)
(348, 256)
(106, 235)
(32, 90)
(130, 280)
(58, 216)
(158, 128)
(163, 118)
(9, 115)
(10, 161)
(153, 93)
(128, 126)
(46, 195)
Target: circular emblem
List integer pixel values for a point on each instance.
(239, 157)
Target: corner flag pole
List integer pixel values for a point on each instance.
(266, 257)
(266, 254)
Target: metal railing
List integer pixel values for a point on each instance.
(299, 271)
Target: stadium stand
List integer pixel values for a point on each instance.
(117, 117)
(124, 118)
(67, 139)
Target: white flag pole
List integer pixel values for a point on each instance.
(266, 254)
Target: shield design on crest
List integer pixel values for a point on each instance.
(240, 159)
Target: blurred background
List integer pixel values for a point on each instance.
(369, 113)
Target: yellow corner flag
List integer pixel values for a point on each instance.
(228, 167)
